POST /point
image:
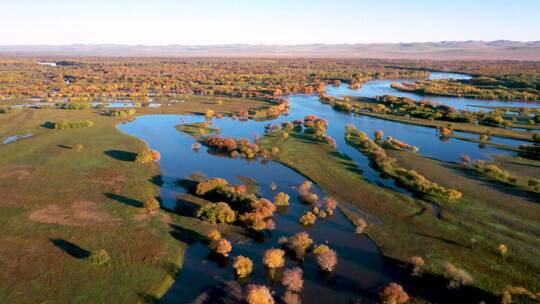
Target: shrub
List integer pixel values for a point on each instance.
(329, 203)
(243, 266)
(308, 218)
(503, 250)
(210, 185)
(258, 294)
(320, 249)
(291, 298)
(298, 243)
(327, 260)
(274, 258)
(216, 213)
(121, 112)
(379, 135)
(418, 265)
(281, 199)
(214, 235)
(99, 257)
(151, 204)
(394, 294)
(361, 225)
(79, 147)
(223, 247)
(306, 195)
(457, 276)
(147, 156)
(209, 114)
(292, 279)
(73, 124)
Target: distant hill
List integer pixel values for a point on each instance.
(444, 50)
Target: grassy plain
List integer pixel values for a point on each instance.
(59, 204)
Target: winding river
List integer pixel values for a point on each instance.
(361, 269)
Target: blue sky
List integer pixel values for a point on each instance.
(159, 22)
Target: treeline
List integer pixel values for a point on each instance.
(93, 79)
(506, 88)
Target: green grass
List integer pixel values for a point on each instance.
(59, 204)
(409, 226)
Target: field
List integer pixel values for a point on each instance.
(60, 204)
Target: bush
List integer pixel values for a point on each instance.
(151, 204)
(291, 298)
(308, 218)
(258, 294)
(214, 235)
(281, 199)
(394, 294)
(379, 135)
(73, 124)
(274, 258)
(361, 225)
(99, 257)
(223, 247)
(327, 260)
(320, 249)
(210, 185)
(79, 147)
(216, 213)
(121, 112)
(457, 276)
(298, 243)
(306, 195)
(147, 156)
(243, 266)
(418, 265)
(292, 279)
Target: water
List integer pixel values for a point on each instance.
(361, 269)
(383, 87)
(13, 138)
(352, 276)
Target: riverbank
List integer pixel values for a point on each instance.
(409, 226)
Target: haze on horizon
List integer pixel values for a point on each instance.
(207, 22)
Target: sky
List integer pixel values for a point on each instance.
(204, 22)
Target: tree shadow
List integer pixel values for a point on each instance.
(71, 249)
(125, 200)
(48, 125)
(445, 240)
(121, 155)
(65, 147)
(157, 180)
(185, 235)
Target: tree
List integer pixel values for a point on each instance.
(327, 260)
(274, 258)
(216, 213)
(457, 276)
(99, 257)
(281, 199)
(394, 294)
(243, 266)
(379, 135)
(223, 247)
(292, 279)
(308, 218)
(151, 204)
(258, 294)
(418, 265)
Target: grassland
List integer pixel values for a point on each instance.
(408, 226)
(59, 204)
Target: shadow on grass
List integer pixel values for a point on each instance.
(48, 125)
(121, 155)
(65, 147)
(186, 235)
(71, 249)
(442, 239)
(125, 200)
